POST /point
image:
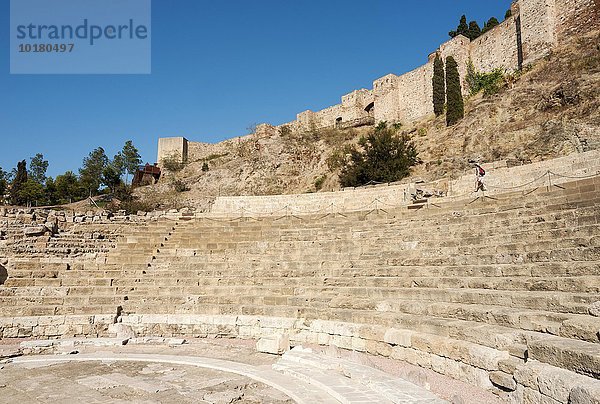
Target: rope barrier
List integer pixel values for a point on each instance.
(574, 177)
(518, 186)
(377, 201)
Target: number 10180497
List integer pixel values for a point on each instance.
(37, 48)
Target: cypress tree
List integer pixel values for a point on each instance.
(18, 184)
(439, 86)
(474, 31)
(456, 107)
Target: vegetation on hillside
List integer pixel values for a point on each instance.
(381, 156)
(490, 83)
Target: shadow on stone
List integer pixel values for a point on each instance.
(3, 274)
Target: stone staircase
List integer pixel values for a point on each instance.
(501, 293)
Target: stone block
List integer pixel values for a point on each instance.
(503, 380)
(121, 331)
(398, 337)
(518, 350)
(557, 383)
(594, 308)
(37, 344)
(527, 375)
(578, 356)
(34, 231)
(275, 344)
(584, 328)
(588, 394)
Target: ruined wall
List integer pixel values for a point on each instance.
(172, 146)
(499, 179)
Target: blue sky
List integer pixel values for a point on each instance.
(219, 67)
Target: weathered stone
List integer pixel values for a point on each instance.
(503, 380)
(121, 331)
(518, 350)
(276, 344)
(595, 309)
(34, 231)
(586, 394)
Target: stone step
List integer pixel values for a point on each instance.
(370, 268)
(350, 382)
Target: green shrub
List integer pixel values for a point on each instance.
(490, 83)
(383, 156)
(285, 130)
(319, 182)
(205, 167)
(215, 156)
(180, 186)
(173, 162)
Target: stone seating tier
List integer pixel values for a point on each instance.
(497, 292)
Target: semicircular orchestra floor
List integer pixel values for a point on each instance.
(215, 371)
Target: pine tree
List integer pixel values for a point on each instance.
(455, 105)
(91, 172)
(68, 188)
(492, 22)
(474, 31)
(131, 158)
(18, 183)
(439, 86)
(37, 168)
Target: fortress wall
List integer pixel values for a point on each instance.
(576, 16)
(409, 97)
(498, 179)
(415, 93)
(327, 116)
(458, 48)
(197, 150)
(497, 48)
(386, 99)
(537, 28)
(354, 104)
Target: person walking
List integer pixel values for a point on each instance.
(479, 175)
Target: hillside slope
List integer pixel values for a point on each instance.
(549, 110)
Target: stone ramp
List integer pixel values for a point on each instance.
(351, 382)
